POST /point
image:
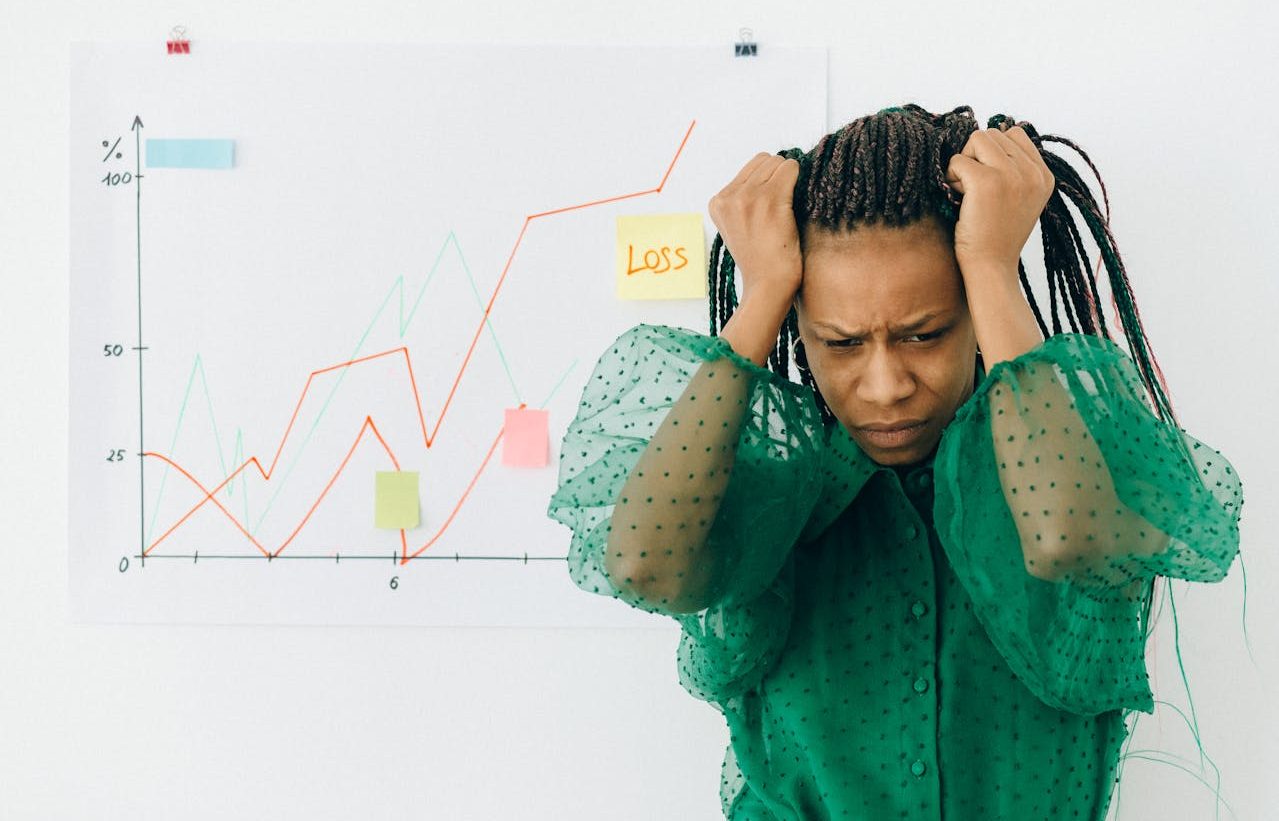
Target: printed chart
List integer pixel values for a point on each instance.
(333, 307)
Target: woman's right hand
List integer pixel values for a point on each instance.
(755, 218)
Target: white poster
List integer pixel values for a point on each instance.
(313, 284)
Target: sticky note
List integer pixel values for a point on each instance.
(396, 505)
(190, 153)
(661, 256)
(525, 443)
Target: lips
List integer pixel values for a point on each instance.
(899, 437)
(889, 427)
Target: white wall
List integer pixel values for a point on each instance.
(1174, 103)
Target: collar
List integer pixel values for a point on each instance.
(846, 469)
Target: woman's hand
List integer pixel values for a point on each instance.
(1005, 184)
(755, 219)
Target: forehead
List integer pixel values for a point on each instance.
(877, 277)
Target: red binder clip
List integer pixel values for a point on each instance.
(177, 42)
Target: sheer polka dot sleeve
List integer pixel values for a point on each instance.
(686, 477)
(1060, 496)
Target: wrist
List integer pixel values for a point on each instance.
(991, 279)
(753, 328)
(1003, 323)
(770, 296)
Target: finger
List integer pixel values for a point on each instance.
(1005, 143)
(1012, 148)
(784, 173)
(1022, 139)
(749, 167)
(1019, 139)
(960, 167)
(1020, 161)
(764, 170)
(1015, 161)
(984, 147)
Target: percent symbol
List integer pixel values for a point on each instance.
(110, 150)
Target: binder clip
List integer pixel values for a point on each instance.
(177, 42)
(745, 47)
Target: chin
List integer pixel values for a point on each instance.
(894, 458)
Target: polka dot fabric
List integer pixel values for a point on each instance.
(714, 523)
(1060, 496)
(895, 643)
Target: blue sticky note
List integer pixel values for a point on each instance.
(190, 153)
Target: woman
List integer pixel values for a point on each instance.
(918, 584)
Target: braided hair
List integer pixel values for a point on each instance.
(891, 167)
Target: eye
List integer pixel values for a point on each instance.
(850, 343)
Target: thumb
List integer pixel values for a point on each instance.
(958, 170)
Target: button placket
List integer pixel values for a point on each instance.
(906, 520)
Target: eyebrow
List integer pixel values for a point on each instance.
(909, 326)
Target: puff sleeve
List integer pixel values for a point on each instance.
(733, 547)
(1059, 497)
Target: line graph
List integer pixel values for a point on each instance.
(428, 439)
(402, 324)
(380, 306)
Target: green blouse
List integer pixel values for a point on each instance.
(961, 638)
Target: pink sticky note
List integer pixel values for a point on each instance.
(525, 443)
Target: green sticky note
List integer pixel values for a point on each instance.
(396, 507)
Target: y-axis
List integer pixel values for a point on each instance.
(142, 494)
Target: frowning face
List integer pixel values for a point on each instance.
(887, 333)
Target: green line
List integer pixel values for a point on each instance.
(236, 458)
(480, 302)
(196, 368)
(173, 449)
(403, 324)
(547, 400)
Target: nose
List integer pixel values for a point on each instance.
(885, 381)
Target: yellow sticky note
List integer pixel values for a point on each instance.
(525, 441)
(661, 256)
(396, 506)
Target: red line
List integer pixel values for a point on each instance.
(307, 387)
(413, 384)
(266, 475)
(465, 493)
(678, 151)
(368, 423)
(479, 328)
(595, 202)
(208, 495)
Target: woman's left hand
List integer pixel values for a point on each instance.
(1006, 185)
